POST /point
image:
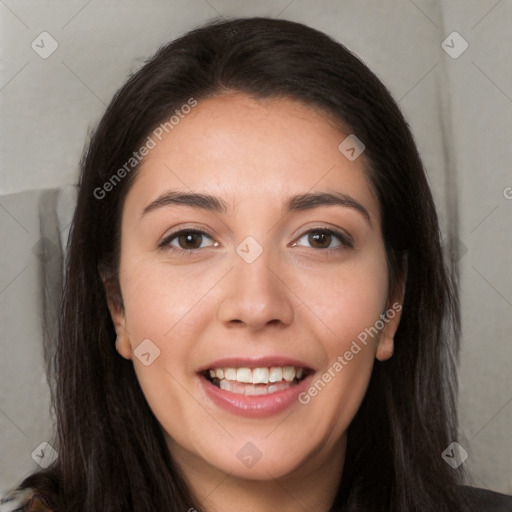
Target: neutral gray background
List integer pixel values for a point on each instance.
(460, 111)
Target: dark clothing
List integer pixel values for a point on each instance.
(482, 500)
(479, 500)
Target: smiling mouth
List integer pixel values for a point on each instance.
(256, 381)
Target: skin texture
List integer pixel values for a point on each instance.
(294, 300)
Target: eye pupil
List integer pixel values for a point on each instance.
(321, 237)
(187, 238)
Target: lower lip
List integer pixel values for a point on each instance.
(261, 406)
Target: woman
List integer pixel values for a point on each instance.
(257, 314)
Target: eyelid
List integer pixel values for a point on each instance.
(344, 237)
(166, 240)
(346, 240)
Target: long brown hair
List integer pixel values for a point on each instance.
(112, 455)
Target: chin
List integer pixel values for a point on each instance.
(263, 469)
(259, 459)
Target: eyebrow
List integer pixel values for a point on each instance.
(301, 202)
(315, 199)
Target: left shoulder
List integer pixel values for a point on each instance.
(483, 500)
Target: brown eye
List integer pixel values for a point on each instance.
(319, 239)
(185, 240)
(327, 239)
(190, 240)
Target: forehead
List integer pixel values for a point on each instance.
(242, 149)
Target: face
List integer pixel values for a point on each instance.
(252, 316)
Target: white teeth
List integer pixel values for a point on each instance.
(225, 384)
(230, 373)
(260, 376)
(255, 391)
(251, 389)
(244, 375)
(289, 373)
(276, 374)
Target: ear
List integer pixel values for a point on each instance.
(116, 308)
(391, 318)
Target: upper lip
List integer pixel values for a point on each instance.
(255, 362)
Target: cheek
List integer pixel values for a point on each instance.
(335, 395)
(159, 299)
(167, 306)
(360, 295)
(350, 305)
(347, 300)
(158, 316)
(148, 304)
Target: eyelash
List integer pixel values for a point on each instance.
(346, 243)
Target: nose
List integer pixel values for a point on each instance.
(256, 295)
